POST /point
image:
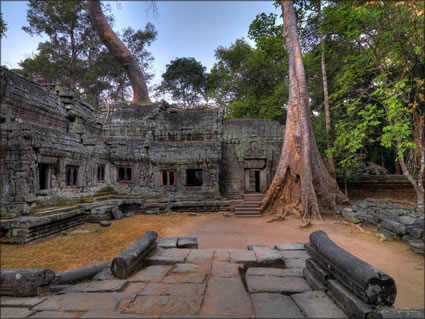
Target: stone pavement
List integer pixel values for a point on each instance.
(191, 283)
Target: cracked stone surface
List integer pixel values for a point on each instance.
(261, 271)
(275, 306)
(316, 304)
(290, 246)
(283, 285)
(206, 283)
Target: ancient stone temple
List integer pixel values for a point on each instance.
(61, 164)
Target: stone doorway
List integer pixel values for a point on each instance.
(254, 181)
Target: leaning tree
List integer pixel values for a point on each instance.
(119, 51)
(302, 184)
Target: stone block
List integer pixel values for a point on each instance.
(116, 213)
(99, 286)
(345, 299)
(154, 306)
(221, 256)
(245, 257)
(269, 258)
(394, 227)
(105, 223)
(316, 304)
(152, 273)
(394, 313)
(314, 282)
(289, 246)
(185, 268)
(53, 315)
(164, 260)
(27, 302)
(273, 284)
(318, 271)
(407, 220)
(225, 269)
(293, 254)
(187, 242)
(295, 263)
(269, 305)
(82, 301)
(278, 272)
(12, 313)
(184, 278)
(226, 297)
(25, 282)
(352, 217)
(199, 256)
(417, 233)
(168, 242)
(388, 234)
(257, 247)
(96, 314)
(155, 289)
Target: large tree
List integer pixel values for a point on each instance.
(185, 80)
(302, 184)
(117, 48)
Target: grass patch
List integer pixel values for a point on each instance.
(60, 253)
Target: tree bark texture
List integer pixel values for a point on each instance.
(325, 89)
(120, 52)
(302, 184)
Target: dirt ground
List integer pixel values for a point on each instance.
(90, 244)
(392, 257)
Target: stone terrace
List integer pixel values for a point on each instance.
(192, 283)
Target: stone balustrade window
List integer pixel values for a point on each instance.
(100, 173)
(194, 177)
(125, 174)
(168, 178)
(71, 175)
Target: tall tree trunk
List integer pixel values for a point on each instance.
(302, 184)
(325, 90)
(119, 51)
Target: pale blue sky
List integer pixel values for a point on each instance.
(185, 28)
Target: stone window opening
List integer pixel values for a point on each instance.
(101, 173)
(71, 176)
(168, 178)
(125, 174)
(46, 176)
(194, 177)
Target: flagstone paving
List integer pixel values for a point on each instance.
(191, 283)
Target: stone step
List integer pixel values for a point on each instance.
(248, 209)
(247, 215)
(52, 210)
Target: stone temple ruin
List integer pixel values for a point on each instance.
(61, 165)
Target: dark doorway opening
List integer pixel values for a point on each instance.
(194, 177)
(44, 176)
(257, 181)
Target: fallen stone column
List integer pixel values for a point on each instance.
(80, 273)
(368, 283)
(25, 282)
(131, 259)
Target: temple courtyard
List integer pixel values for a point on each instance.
(192, 283)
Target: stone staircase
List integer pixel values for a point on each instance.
(250, 207)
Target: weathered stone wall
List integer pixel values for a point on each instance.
(48, 134)
(43, 128)
(379, 186)
(249, 145)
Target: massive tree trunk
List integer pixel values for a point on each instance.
(325, 89)
(119, 51)
(302, 184)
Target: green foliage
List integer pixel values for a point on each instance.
(3, 26)
(377, 91)
(74, 56)
(185, 80)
